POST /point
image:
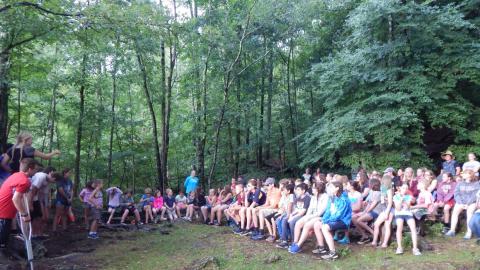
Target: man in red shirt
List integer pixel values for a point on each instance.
(11, 198)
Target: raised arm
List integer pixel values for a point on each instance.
(46, 156)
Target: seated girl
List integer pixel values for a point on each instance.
(370, 212)
(304, 226)
(180, 203)
(222, 203)
(170, 207)
(402, 201)
(114, 195)
(385, 209)
(128, 207)
(465, 199)
(356, 203)
(424, 205)
(146, 202)
(158, 206)
(337, 216)
(445, 199)
(192, 197)
(232, 213)
(211, 200)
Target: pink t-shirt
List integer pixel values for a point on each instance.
(158, 202)
(426, 197)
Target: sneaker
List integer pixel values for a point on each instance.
(344, 241)
(478, 242)
(93, 236)
(332, 255)
(259, 236)
(445, 230)
(364, 240)
(416, 252)
(270, 239)
(294, 248)
(123, 223)
(320, 250)
(468, 236)
(335, 237)
(450, 234)
(245, 232)
(237, 231)
(399, 251)
(283, 244)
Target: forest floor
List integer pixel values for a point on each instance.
(194, 246)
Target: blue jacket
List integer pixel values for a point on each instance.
(191, 183)
(343, 210)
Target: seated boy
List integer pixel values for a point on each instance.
(268, 209)
(301, 204)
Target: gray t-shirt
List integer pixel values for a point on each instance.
(374, 196)
(40, 181)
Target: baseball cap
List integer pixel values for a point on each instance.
(389, 170)
(269, 181)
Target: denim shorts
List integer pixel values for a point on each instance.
(373, 214)
(337, 225)
(404, 217)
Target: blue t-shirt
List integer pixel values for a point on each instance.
(148, 201)
(67, 186)
(169, 201)
(450, 166)
(191, 183)
(258, 196)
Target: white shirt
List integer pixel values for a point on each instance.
(40, 181)
(471, 165)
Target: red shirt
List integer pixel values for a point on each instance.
(16, 182)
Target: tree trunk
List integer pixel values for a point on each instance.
(269, 106)
(52, 125)
(228, 78)
(238, 133)
(112, 126)
(4, 95)
(19, 99)
(80, 125)
(262, 109)
(132, 141)
(154, 120)
(290, 105)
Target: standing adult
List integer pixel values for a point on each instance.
(23, 149)
(12, 195)
(450, 165)
(191, 182)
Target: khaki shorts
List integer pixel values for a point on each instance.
(268, 211)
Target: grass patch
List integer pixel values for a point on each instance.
(189, 242)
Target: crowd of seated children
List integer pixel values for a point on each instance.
(320, 206)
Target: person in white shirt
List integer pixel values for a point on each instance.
(471, 164)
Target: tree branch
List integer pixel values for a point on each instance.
(38, 7)
(13, 45)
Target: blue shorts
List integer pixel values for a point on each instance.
(404, 217)
(337, 225)
(373, 214)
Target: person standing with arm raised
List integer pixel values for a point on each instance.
(23, 149)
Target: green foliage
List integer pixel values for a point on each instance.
(395, 73)
(343, 84)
